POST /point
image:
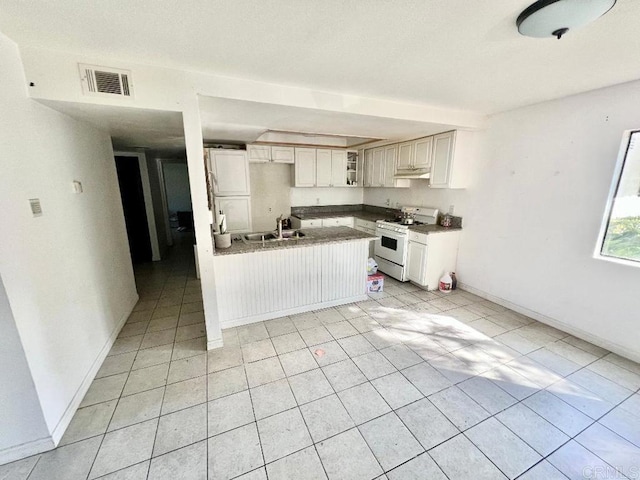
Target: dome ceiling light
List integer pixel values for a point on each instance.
(556, 17)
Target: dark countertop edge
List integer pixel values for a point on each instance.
(362, 215)
(428, 229)
(257, 248)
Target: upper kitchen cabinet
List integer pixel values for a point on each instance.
(324, 174)
(338, 168)
(405, 155)
(380, 166)
(452, 152)
(414, 155)
(321, 167)
(259, 153)
(266, 154)
(237, 211)
(422, 153)
(353, 167)
(305, 167)
(282, 154)
(229, 172)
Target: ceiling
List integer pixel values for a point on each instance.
(452, 53)
(130, 128)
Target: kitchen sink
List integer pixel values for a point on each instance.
(292, 234)
(271, 236)
(259, 237)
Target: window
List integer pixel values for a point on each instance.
(620, 237)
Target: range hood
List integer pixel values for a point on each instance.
(413, 173)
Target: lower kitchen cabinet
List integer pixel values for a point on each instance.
(417, 262)
(430, 256)
(338, 222)
(306, 223)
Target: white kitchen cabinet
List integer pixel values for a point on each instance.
(338, 168)
(306, 223)
(422, 153)
(369, 227)
(353, 168)
(259, 153)
(452, 154)
(282, 154)
(237, 211)
(368, 168)
(390, 154)
(414, 155)
(338, 222)
(229, 171)
(430, 256)
(267, 153)
(305, 167)
(377, 179)
(380, 167)
(417, 263)
(405, 155)
(323, 168)
(365, 225)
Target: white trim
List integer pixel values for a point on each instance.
(216, 343)
(18, 452)
(63, 423)
(292, 311)
(148, 201)
(165, 205)
(576, 332)
(615, 181)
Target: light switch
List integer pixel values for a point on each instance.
(36, 208)
(77, 186)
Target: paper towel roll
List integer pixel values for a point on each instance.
(223, 223)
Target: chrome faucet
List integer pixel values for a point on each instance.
(280, 219)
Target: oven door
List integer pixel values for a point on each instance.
(391, 246)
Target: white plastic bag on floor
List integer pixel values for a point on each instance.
(372, 267)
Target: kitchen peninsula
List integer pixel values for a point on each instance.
(258, 280)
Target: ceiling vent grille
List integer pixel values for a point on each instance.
(103, 81)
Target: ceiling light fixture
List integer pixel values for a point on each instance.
(556, 17)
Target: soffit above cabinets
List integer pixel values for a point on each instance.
(227, 120)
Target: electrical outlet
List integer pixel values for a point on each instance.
(388, 202)
(318, 201)
(270, 209)
(451, 209)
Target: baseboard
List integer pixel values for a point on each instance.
(576, 332)
(216, 343)
(291, 311)
(62, 425)
(24, 450)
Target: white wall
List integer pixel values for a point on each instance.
(176, 181)
(419, 194)
(535, 214)
(303, 197)
(21, 419)
(68, 273)
(270, 198)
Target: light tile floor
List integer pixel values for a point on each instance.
(407, 385)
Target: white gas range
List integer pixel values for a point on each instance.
(393, 243)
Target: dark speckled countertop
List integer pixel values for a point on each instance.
(426, 229)
(313, 236)
(362, 215)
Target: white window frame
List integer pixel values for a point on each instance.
(617, 176)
